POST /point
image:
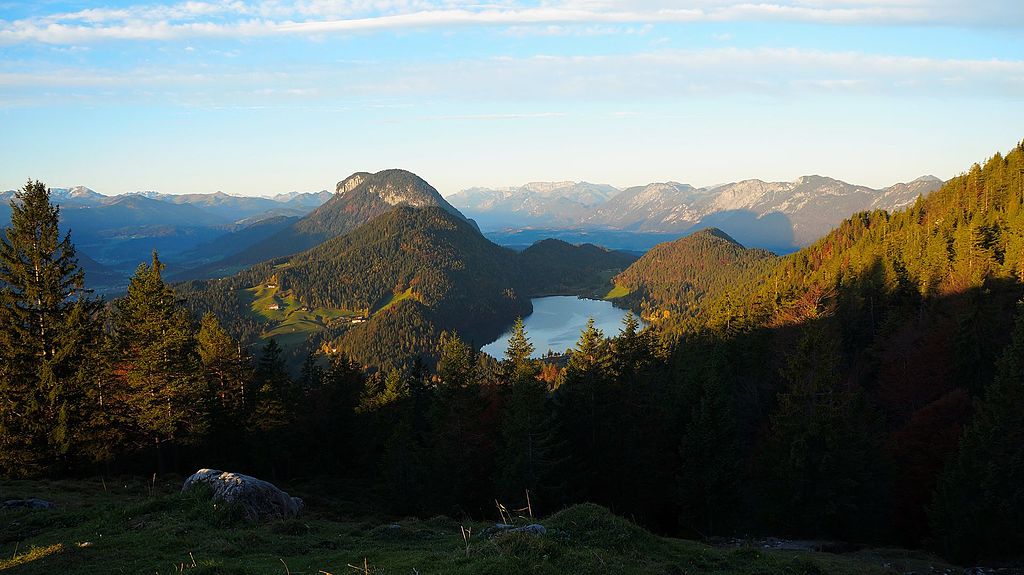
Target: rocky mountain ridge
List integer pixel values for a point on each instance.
(759, 213)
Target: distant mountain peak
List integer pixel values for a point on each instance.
(82, 192)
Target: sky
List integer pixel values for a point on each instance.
(259, 97)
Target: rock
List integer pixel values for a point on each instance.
(532, 529)
(259, 499)
(503, 528)
(30, 503)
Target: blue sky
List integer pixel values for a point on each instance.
(267, 96)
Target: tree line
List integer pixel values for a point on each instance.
(840, 395)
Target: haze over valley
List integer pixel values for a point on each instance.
(202, 235)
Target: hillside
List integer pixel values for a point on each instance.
(907, 316)
(358, 199)
(231, 243)
(556, 267)
(674, 277)
(384, 291)
(417, 271)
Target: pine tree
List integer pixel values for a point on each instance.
(157, 363)
(822, 460)
(590, 361)
(518, 363)
(227, 371)
(708, 484)
(525, 454)
(978, 510)
(584, 402)
(462, 453)
(50, 328)
(277, 396)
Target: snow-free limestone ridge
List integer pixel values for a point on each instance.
(774, 215)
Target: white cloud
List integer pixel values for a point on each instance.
(235, 18)
(654, 75)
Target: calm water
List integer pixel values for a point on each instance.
(556, 322)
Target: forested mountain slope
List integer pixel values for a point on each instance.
(672, 278)
(886, 332)
(409, 274)
(359, 198)
(556, 267)
(385, 291)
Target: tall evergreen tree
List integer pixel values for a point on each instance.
(518, 361)
(525, 456)
(978, 509)
(708, 483)
(277, 396)
(227, 371)
(462, 452)
(822, 460)
(157, 363)
(583, 403)
(49, 328)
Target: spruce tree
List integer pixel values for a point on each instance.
(157, 363)
(633, 350)
(518, 363)
(330, 412)
(462, 454)
(525, 453)
(277, 396)
(584, 402)
(227, 372)
(978, 510)
(822, 461)
(708, 481)
(590, 362)
(49, 329)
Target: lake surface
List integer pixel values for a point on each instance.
(556, 322)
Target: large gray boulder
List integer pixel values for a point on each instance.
(259, 499)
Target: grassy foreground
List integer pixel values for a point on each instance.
(133, 526)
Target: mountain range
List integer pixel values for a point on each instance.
(217, 234)
(357, 199)
(781, 216)
(391, 266)
(114, 233)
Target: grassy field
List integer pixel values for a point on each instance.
(134, 526)
(292, 323)
(394, 299)
(617, 292)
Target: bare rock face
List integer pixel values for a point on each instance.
(260, 500)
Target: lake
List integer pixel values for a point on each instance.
(556, 322)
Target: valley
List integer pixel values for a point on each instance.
(751, 392)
